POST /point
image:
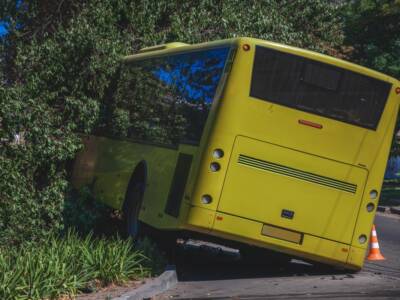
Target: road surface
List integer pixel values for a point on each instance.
(205, 274)
(388, 230)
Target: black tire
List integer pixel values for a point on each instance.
(133, 200)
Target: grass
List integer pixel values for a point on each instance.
(67, 266)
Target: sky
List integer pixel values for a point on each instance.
(3, 29)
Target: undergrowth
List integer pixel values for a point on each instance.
(68, 265)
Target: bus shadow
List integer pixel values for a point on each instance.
(203, 263)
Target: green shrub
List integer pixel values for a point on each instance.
(66, 266)
(112, 262)
(83, 213)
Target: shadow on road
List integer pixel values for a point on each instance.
(201, 262)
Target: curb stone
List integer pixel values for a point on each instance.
(389, 209)
(383, 209)
(165, 281)
(395, 210)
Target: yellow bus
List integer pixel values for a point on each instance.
(248, 141)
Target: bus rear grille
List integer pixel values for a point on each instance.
(299, 174)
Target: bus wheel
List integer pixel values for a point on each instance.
(132, 209)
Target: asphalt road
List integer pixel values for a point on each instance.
(388, 230)
(206, 272)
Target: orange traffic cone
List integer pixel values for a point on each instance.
(374, 252)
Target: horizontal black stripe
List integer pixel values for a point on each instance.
(301, 175)
(296, 173)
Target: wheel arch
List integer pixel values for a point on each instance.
(139, 174)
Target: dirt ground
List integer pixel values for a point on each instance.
(110, 292)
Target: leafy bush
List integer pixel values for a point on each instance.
(83, 213)
(61, 81)
(66, 266)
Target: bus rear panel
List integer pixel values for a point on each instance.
(305, 139)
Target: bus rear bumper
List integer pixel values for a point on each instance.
(308, 247)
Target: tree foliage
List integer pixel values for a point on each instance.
(373, 30)
(57, 62)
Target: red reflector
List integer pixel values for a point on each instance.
(397, 90)
(219, 218)
(311, 124)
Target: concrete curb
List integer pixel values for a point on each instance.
(389, 209)
(395, 210)
(165, 281)
(383, 209)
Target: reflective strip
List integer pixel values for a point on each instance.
(375, 245)
(373, 233)
(296, 173)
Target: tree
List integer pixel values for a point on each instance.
(373, 29)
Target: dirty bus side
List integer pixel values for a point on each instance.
(305, 140)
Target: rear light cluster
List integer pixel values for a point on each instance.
(217, 154)
(373, 195)
(206, 199)
(362, 239)
(214, 167)
(370, 207)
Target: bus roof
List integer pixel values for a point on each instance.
(177, 47)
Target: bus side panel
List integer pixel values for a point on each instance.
(106, 165)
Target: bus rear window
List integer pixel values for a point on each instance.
(318, 88)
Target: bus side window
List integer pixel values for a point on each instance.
(167, 99)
